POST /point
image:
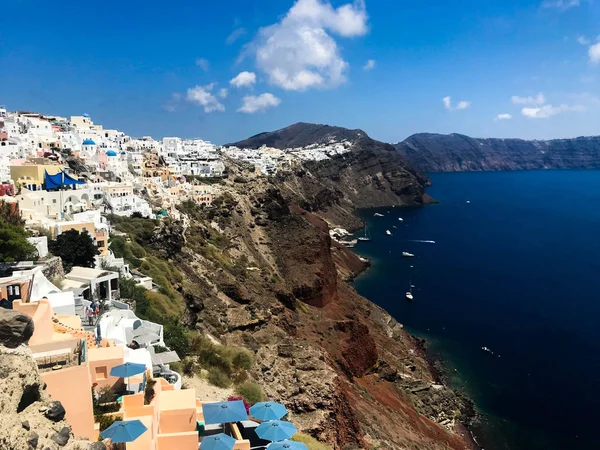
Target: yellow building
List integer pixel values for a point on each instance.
(31, 175)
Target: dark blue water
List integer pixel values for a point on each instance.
(516, 270)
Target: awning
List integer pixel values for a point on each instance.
(159, 359)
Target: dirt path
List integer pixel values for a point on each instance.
(206, 391)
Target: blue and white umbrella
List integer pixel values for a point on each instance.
(268, 411)
(286, 445)
(217, 442)
(275, 430)
(124, 431)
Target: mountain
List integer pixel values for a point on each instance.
(456, 152)
(366, 173)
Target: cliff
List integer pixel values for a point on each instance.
(260, 271)
(370, 174)
(455, 152)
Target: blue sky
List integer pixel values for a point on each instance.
(161, 69)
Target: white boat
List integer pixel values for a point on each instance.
(407, 255)
(378, 215)
(366, 237)
(487, 350)
(400, 219)
(409, 296)
(388, 232)
(468, 201)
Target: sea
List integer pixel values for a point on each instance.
(515, 268)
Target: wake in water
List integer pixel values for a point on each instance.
(423, 242)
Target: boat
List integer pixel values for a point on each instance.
(468, 201)
(388, 232)
(366, 237)
(400, 219)
(350, 243)
(409, 294)
(487, 350)
(378, 215)
(407, 255)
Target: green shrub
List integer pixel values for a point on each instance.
(310, 442)
(251, 392)
(218, 378)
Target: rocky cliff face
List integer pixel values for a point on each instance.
(456, 152)
(265, 275)
(369, 175)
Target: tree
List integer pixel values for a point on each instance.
(74, 248)
(13, 243)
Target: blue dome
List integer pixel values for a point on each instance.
(86, 115)
(111, 153)
(89, 142)
(123, 153)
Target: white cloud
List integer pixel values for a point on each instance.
(256, 103)
(299, 52)
(537, 100)
(369, 65)
(223, 93)
(503, 117)
(547, 111)
(461, 105)
(235, 35)
(447, 102)
(202, 95)
(583, 40)
(561, 4)
(203, 64)
(594, 53)
(243, 79)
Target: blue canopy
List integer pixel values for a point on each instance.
(268, 411)
(224, 412)
(287, 445)
(60, 179)
(124, 431)
(275, 430)
(217, 442)
(127, 370)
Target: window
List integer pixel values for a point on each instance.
(9, 289)
(17, 290)
(101, 373)
(54, 200)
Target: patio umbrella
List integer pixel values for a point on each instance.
(127, 370)
(224, 412)
(124, 431)
(217, 442)
(275, 430)
(286, 445)
(268, 411)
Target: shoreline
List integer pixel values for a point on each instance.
(435, 364)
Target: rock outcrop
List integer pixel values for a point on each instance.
(456, 152)
(15, 328)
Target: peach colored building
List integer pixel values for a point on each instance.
(70, 363)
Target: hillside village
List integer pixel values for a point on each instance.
(71, 177)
